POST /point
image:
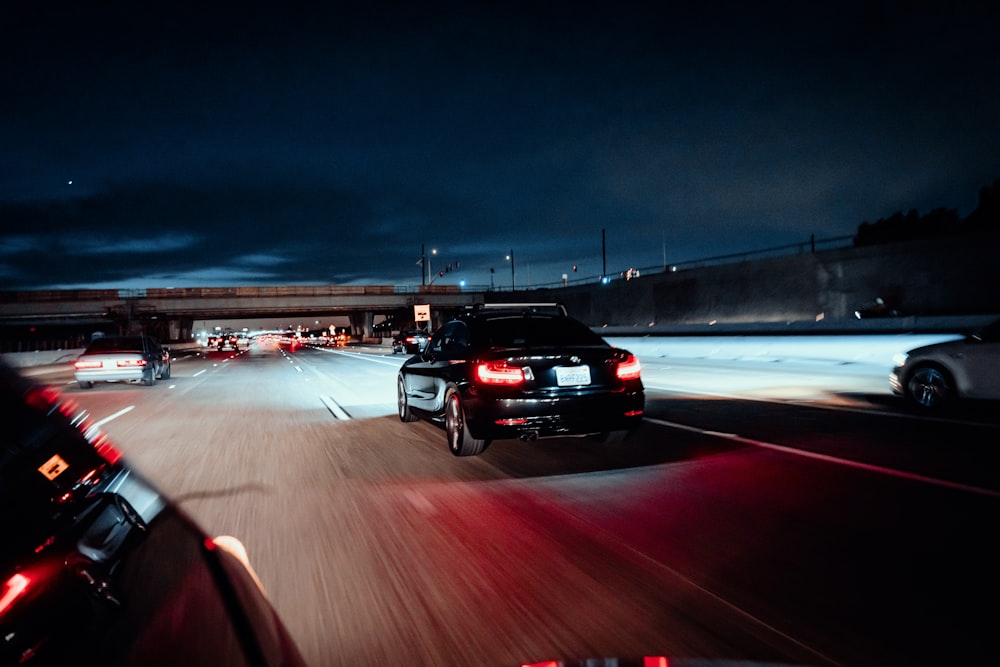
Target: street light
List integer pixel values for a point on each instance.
(511, 258)
(425, 265)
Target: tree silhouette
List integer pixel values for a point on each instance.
(937, 223)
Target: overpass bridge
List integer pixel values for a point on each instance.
(170, 313)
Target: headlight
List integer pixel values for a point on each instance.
(900, 358)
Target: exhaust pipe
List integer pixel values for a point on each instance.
(528, 436)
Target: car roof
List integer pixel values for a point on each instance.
(514, 308)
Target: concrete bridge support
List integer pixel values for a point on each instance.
(362, 323)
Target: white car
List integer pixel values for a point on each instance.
(936, 375)
(122, 358)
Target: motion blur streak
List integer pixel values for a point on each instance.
(13, 589)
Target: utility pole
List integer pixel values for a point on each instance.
(511, 269)
(604, 255)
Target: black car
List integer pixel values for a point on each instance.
(411, 341)
(97, 567)
(521, 371)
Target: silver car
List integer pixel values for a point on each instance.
(122, 358)
(936, 375)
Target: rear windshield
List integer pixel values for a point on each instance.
(129, 343)
(520, 331)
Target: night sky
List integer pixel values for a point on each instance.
(149, 144)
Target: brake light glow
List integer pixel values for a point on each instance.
(81, 364)
(128, 363)
(106, 450)
(629, 368)
(499, 373)
(13, 588)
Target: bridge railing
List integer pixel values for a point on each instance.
(83, 295)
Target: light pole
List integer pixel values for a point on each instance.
(511, 258)
(429, 279)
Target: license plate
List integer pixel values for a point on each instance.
(568, 376)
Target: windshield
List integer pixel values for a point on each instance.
(125, 344)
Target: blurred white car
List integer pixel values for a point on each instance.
(936, 375)
(122, 358)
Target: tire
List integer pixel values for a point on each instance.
(402, 403)
(86, 385)
(930, 387)
(460, 440)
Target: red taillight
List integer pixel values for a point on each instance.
(82, 364)
(106, 450)
(12, 589)
(499, 372)
(629, 369)
(130, 363)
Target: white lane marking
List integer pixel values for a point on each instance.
(334, 408)
(366, 357)
(819, 404)
(199, 372)
(298, 369)
(114, 416)
(419, 501)
(913, 477)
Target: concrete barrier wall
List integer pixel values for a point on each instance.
(948, 276)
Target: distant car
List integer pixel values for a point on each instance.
(936, 375)
(411, 341)
(98, 567)
(521, 371)
(122, 359)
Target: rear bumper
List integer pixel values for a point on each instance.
(126, 375)
(499, 418)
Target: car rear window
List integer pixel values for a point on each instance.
(520, 331)
(130, 344)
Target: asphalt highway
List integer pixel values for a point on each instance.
(771, 509)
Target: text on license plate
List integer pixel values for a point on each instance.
(572, 375)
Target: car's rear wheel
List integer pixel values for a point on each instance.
(85, 385)
(930, 387)
(403, 403)
(460, 440)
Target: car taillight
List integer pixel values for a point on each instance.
(629, 368)
(12, 589)
(128, 363)
(499, 372)
(81, 364)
